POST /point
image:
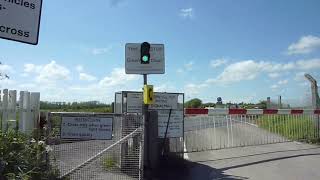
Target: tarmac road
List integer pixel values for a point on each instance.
(285, 160)
(290, 160)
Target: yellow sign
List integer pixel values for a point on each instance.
(148, 97)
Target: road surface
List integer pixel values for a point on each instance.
(290, 160)
(285, 160)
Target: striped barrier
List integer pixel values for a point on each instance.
(219, 111)
(209, 129)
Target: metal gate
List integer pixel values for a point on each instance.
(116, 158)
(227, 128)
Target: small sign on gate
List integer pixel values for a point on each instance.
(85, 127)
(162, 101)
(175, 128)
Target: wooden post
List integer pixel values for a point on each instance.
(5, 110)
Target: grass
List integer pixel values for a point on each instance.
(108, 163)
(293, 127)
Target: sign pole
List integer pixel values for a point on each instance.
(146, 134)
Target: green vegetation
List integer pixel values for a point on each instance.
(193, 103)
(108, 163)
(291, 127)
(197, 103)
(24, 157)
(90, 106)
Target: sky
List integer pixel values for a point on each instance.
(242, 51)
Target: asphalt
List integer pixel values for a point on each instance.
(256, 160)
(290, 160)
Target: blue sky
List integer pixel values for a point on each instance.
(239, 50)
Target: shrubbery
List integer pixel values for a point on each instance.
(23, 157)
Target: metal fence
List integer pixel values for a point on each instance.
(117, 158)
(210, 132)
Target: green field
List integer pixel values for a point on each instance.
(297, 127)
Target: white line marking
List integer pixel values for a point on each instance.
(185, 155)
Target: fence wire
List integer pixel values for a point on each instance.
(227, 131)
(118, 158)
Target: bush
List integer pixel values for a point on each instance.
(23, 157)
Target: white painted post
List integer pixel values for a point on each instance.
(12, 104)
(26, 115)
(5, 110)
(22, 126)
(35, 108)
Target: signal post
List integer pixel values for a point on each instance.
(145, 59)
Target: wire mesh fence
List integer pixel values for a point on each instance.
(205, 132)
(89, 157)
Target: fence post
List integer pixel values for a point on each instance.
(26, 115)
(22, 126)
(35, 108)
(5, 110)
(12, 104)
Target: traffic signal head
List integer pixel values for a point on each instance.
(145, 53)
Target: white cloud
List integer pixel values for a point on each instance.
(279, 84)
(244, 70)
(117, 77)
(86, 77)
(98, 51)
(187, 13)
(165, 88)
(305, 45)
(274, 75)
(283, 82)
(194, 89)
(32, 68)
(218, 62)
(4, 68)
(308, 64)
(52, 72)
(79, 68)
(249, 70)
(299, 76)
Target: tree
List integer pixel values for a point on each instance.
(3, 75)
(193, 103)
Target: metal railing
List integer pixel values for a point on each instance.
(211, 132)
(117, 158)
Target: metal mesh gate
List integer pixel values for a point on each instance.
(210, 132)
(117, 158)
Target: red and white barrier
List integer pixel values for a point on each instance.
(219, 111)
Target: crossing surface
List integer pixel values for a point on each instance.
(291, 160)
